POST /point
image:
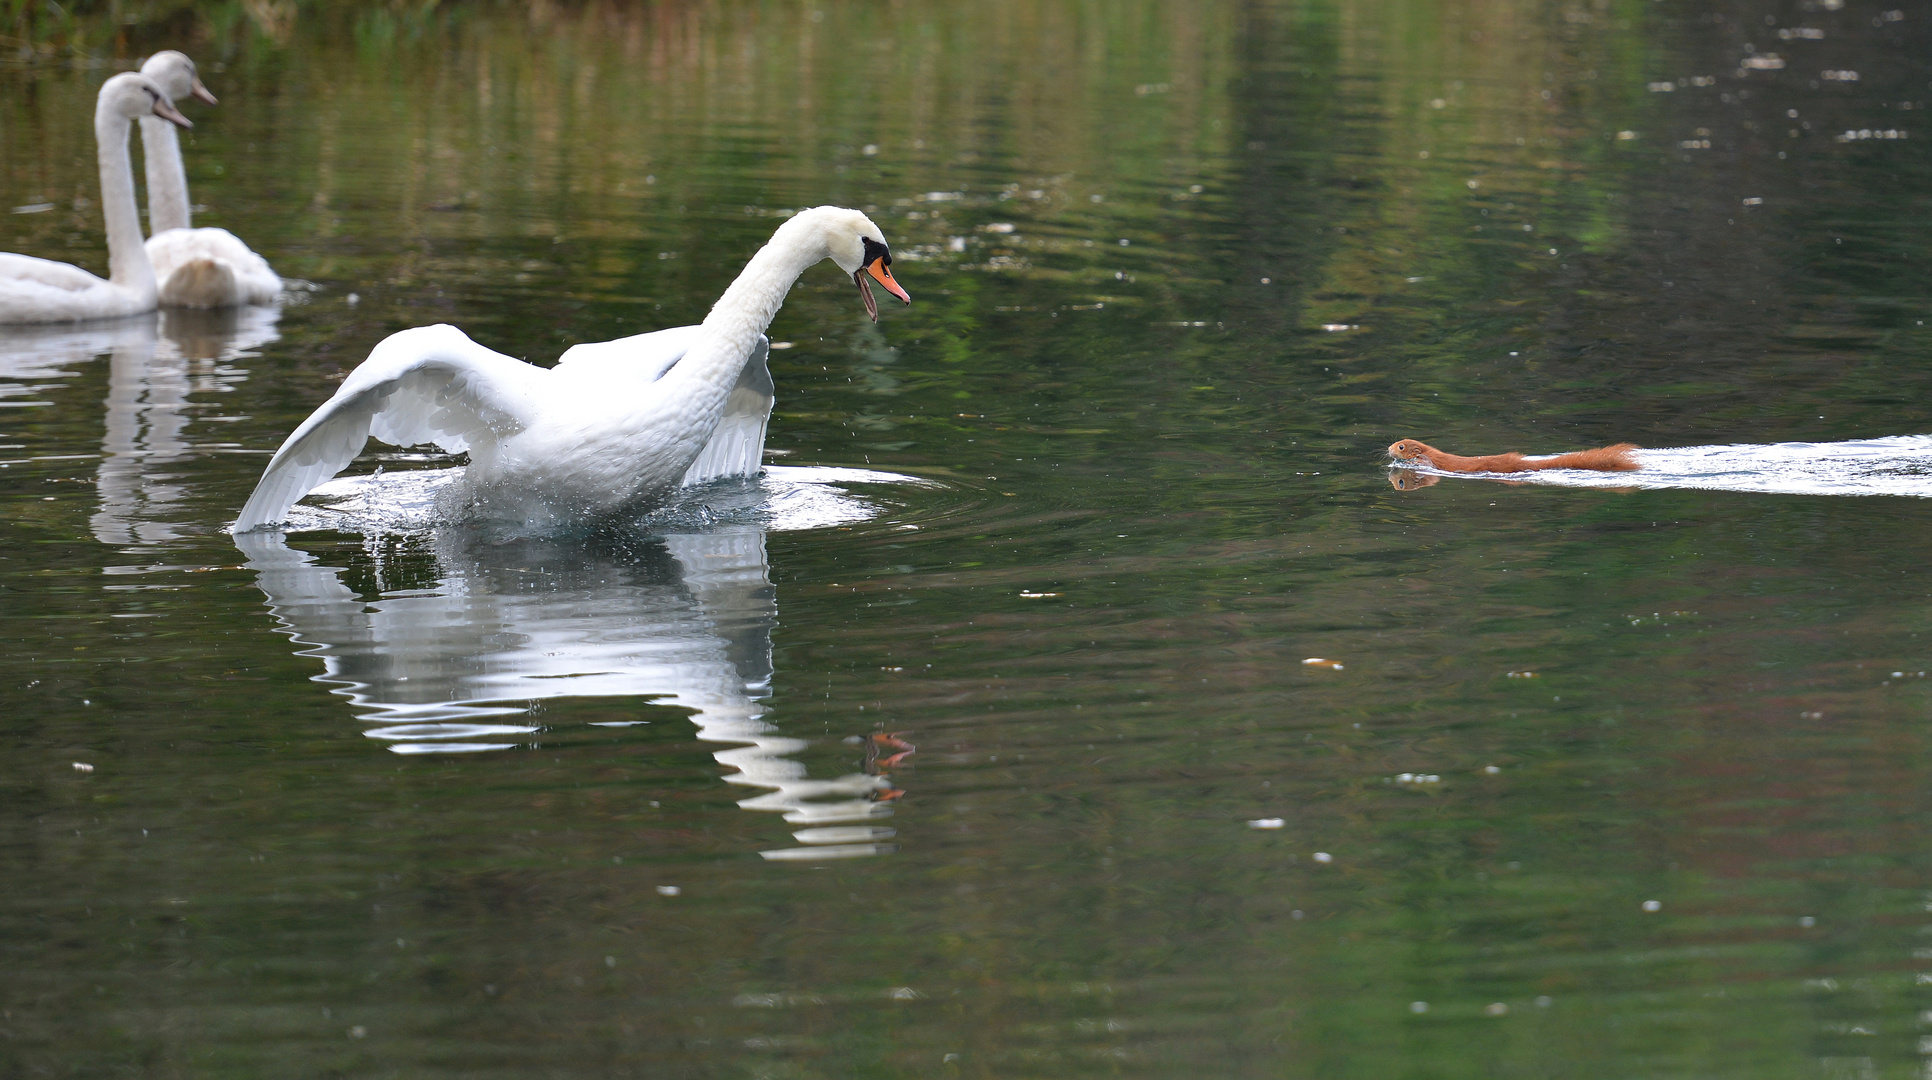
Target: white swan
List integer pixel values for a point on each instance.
(200, 268)
(613, 426)
(40, 290)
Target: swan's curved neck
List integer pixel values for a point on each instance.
(127, 254)
(744, 311)
(167, 179)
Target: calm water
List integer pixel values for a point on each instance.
(1597, 782)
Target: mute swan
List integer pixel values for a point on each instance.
(200, 268)
(40, 290)
(614, 426)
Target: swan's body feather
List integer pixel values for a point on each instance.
(210, 268)
(737, 447)
(613, 427)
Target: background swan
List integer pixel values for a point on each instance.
(201, 268)
(41, 290)
(612, 427)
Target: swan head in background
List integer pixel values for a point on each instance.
(858, 247)
(131, 95)
(175, 74)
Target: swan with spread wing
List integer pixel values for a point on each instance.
(615, 426)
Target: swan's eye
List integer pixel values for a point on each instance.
(874, 251)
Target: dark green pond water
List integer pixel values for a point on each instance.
(1596, 783)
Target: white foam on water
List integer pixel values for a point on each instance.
(780, 499)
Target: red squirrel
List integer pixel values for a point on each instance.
(1607, 459)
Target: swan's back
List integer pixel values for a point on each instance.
(210, 268)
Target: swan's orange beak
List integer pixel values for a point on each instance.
(883, 275)
(201, 93)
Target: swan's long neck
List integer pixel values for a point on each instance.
(167, 180)
(746, 308)
(127, 254)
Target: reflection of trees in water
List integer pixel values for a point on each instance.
(457, 661)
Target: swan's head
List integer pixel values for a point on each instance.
(130, 96)
(175, 74)
(857, 245)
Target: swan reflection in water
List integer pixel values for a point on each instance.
(158, 363)
(685, 619)
(149, 411)
(1893, 465)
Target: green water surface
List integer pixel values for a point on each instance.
(1595, 783)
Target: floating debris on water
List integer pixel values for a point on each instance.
(1417, 778)
(1037, 595)
(668, 890)
(1324, 857)
(1495, 1008)
(1653, 905)
(1492, 769)
(1266, 823)
(1316, 661)
(1418, 1007)
(1870, 133)
(1520, 674)
(82, 766)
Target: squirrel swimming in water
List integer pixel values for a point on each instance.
(1606, 459)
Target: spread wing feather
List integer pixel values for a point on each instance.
(431, 384)
(737, 448)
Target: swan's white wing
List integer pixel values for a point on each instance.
(737, 448)
(41, 290)
(26, 271)
(640, 356)
(431, 384)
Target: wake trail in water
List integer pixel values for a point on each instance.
(1896, 465)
